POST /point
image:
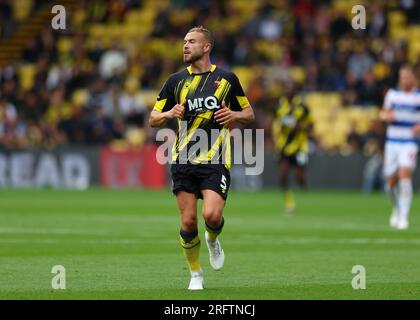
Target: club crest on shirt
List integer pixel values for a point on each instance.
(216, 84)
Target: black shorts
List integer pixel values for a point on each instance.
(296, 159)
(193, 178)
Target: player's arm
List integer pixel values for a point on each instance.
(159, 119)
(275, 130)
(239, 109)
(308, 127)
(245, 116)
(308, 123)
(387, 114)
(226, 115)
(166, 107)
(416, 129)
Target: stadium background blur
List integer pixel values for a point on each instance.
(94, 83)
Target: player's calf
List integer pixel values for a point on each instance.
(216, 253)
(190, 243)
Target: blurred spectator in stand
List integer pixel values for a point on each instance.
(224, 46)
(368, 90)
(47, 45)
(411, 9)
(97, 93)
(378, 25)
(31, 51)
(113, 62)
(97, 10)
(132, 106)
(32, 107)
(340, 26)
(354, 142)
(6, 21)
(162, 23)
(8, 117)
(359, 62)
(99, 127)
(270, 27)
(115, 11)
(241, 51)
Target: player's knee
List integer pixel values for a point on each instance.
(299, 177)
(404, 173)
(391, 181)
(189, 224)
(212, 216)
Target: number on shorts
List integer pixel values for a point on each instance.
(223, 183)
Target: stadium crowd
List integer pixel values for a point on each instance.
(90, 93)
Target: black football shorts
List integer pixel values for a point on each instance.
(299, 159)
(193, 178)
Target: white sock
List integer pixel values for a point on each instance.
(405, 196)
(393, 194)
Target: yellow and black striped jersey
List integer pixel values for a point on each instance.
(203, 94)
(291, 127)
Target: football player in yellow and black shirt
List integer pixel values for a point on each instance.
(203, 98)
(291, 129)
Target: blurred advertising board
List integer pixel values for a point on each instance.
(72, 168)
(81, 167)
(131, 168)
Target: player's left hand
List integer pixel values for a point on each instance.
(224, 115)
(416, 129)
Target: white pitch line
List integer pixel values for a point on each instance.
(316, 240)
(24, 230)
(279, 241)
(84, 241)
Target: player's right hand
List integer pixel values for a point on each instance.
(177, 111)
(387, 115)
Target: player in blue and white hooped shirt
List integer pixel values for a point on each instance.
(401, 111)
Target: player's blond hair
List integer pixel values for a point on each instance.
(207, 34)
(407, 66)
(410, 68)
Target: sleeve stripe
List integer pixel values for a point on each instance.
(159, 105)
(243, 102)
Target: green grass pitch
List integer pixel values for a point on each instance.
(123, 244)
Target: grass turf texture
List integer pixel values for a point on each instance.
(123, 244)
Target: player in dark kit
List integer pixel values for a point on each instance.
(203, 98)
(291, 130)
